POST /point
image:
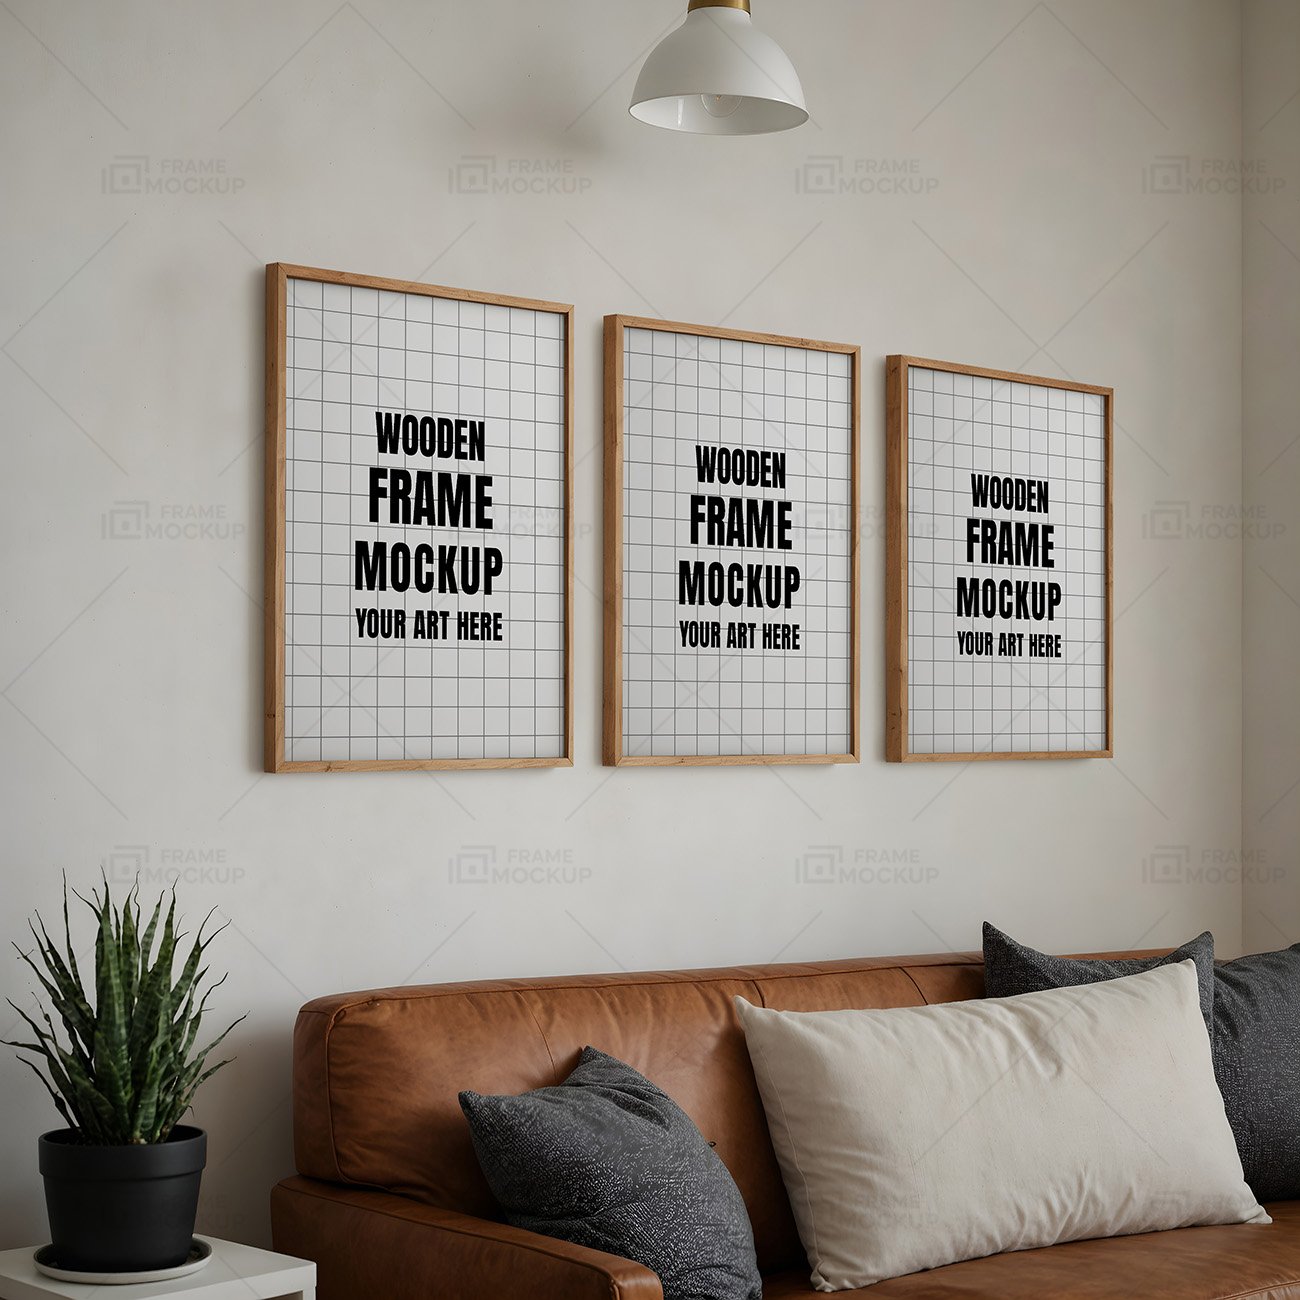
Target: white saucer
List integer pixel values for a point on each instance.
(200, 1254)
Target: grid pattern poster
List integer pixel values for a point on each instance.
(1000, 565)
(730, 566)
(418, 553)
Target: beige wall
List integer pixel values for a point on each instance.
(1037, 214)
(1271, 471)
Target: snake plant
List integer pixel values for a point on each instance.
(126, 1068)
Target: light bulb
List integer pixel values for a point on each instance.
(720, 105)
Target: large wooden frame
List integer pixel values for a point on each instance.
(897, 748)
(613, 748)
(278, 274)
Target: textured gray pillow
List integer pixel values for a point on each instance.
(1257, 1062)
(1011, 968)
(607, 1160)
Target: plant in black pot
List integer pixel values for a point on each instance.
(122, 1179)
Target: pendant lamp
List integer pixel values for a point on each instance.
(717, 74)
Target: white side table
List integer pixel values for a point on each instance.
(235, 1272)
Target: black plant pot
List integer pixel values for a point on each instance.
(122, 1209)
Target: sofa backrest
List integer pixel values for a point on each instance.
(376, 1074)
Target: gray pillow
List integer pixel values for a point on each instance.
(607, 1160)
(1011, 968)
(1257, 1062)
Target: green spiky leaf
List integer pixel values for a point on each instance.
(125, 1068)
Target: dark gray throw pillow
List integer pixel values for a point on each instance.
(1257, 1061)
(607, 1160)
(1011, 968)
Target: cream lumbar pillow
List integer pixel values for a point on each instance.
(920, 1136)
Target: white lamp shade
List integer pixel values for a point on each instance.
(717, 74)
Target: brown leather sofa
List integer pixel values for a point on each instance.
(390, 1203)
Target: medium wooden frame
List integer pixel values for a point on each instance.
(896, 551)
(278, 275)
(612, 733)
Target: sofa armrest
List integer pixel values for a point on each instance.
(369, 1244)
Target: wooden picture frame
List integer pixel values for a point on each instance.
(397, 363)
(1029, 421)
(836, 368)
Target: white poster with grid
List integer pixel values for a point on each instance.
(1007, 583)
(737, 565)
(425, 530)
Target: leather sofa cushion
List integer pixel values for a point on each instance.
(1220, 1263)
(377, 1074)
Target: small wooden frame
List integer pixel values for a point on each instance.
(1056, 437)
(714, 403)
(495, 471)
